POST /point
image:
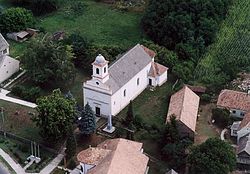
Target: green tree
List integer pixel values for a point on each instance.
(173, 146)
(39, 7)
(15, 19)
(212, 156)
(48, 62)
(55, 115)
(163, 55)
(186, 22)
(70, 144)
(87, 121)
(221, 117)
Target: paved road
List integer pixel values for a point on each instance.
(3, 169)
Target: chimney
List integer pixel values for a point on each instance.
(105, 146)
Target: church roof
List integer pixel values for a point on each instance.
(3, 43)
(126, 67)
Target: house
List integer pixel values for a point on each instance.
(113, 87)
(184, 105)
(243, 150)
(237, 102)
(244, 127)
(234, 128)
(8, 65)
(114, 156)
(171, 172)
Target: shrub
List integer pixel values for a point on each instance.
(30, 94)
(206, 97)
(15, 19)
(221, 117)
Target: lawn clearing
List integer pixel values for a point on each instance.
(99, 22)
(204, 127)
(17, 121)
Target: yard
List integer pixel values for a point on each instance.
(204, 127)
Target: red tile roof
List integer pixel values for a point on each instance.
(157, 69)
(245, 121)
(184, 104)
(151, 53)
(119, 156)
(234, 100)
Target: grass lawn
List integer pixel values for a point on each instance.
(19, 124)
(99, 22)
(204, 128)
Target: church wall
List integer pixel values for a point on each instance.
(97, 99)
(163, 78)
(119, 101)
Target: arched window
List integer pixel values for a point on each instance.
(97, 71)
(124, 93)
(138, 81)
(105, 69)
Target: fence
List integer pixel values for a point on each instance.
(26, 141)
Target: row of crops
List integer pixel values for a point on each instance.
(230, 52)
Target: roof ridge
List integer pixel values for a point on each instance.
(124, 55)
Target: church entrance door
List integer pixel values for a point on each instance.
(150, 82)
(97, 111)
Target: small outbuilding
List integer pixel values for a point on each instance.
(184, 105)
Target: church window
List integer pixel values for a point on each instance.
(124, 93)
(97, 83)
(97, 71)
(105, 70)
(138, 81)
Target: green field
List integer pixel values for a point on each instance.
(230, 47)
(99, 22)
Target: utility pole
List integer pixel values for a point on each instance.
(2, 115)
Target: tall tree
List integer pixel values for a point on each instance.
(70, 144)
(15, 19)
(212, 156)
(55, 115)
(87, 121)
(48, 62)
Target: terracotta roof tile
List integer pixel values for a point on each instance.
(234, 100)
(245, 121)
(184, 104)
(125, 157)
(150, 52)
(157, 69)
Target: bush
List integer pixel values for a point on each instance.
(30, 94)
(206, 97)
(221, 117)
(23, 148)
(16, 19)
(71, 164)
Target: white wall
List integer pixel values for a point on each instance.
(8, 67)
(97, 99)
(241, 133)
(132, 91)
(163, 78)
(85, 168)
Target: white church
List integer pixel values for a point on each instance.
(113, 87)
